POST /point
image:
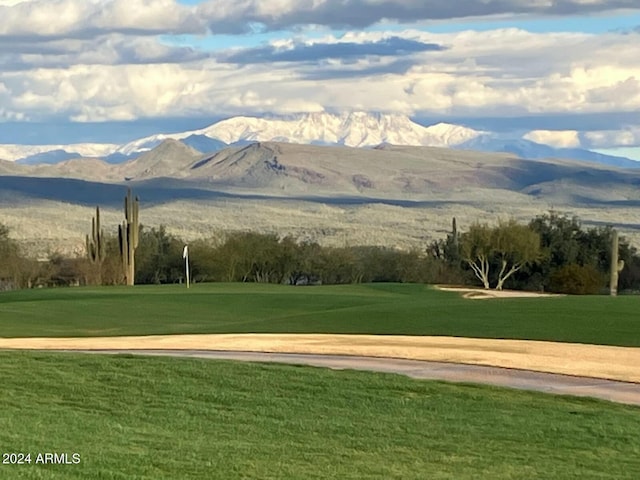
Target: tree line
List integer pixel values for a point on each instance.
(552, 252)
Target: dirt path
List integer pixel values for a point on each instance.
(614, 391)
(596, 361)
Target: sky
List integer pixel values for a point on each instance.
(562, 72)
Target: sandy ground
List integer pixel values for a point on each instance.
(597, 361)
(481, 294)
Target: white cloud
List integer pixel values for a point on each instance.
(99, 93)
(113, 49)
(123, 75)
(85, 18)
(50, 17)
(600, 140)
(233, 15)
(629, 137)
(555, 138)
(164, 16)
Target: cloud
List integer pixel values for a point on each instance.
(595, 139)
(84, 93)
(555, 138)
(233, 16)
(96, 93)
(524, 123)
(90, 18)
(497, 73)
(313, 52)
(115, 49)
(625, 91)
(352, 70)
(54, 19)
(628, 137)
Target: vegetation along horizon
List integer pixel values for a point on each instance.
(553, 252)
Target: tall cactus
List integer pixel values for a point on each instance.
(454, 232)
(616, 265)
(96, 249)
(128, 237)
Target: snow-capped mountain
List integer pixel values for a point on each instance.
(148, 143)
(360, 129)
(356, 129)
(13, 152)
(353, 129)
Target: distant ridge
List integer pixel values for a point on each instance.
(352, 129)
(396, 172)
(536, 151)
(170, 158)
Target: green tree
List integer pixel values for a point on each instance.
(158, 256)
(565, 242)
(205, 266)
(10, 260)
(337, 265)
(293, 261)
(560, 240)
(559, 236)
(576, 279)
(508, 246)
(515, 245)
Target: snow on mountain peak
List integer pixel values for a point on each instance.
(353, 129)
(148, 143)
(350, 128)
(13, 152)
(452, 135)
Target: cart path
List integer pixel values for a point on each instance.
(596, 361)
(612, 390)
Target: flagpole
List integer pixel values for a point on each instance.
(185, 255)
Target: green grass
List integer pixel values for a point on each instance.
(158, 418)
(369, 309)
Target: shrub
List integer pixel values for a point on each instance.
(576, 279)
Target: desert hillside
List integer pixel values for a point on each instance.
(390, 195)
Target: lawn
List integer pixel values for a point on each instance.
(366, 309)
(157, 418)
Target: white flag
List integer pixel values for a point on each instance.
(185, 252)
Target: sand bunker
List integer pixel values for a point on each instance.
(616, 363)
(482, 294)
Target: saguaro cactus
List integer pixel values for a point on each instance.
(616, 265)
(96, 250)
(128, 237)
(454, 232)
(95, 242)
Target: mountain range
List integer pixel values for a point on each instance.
(384, 173)
(355, 129)
(394, 195)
